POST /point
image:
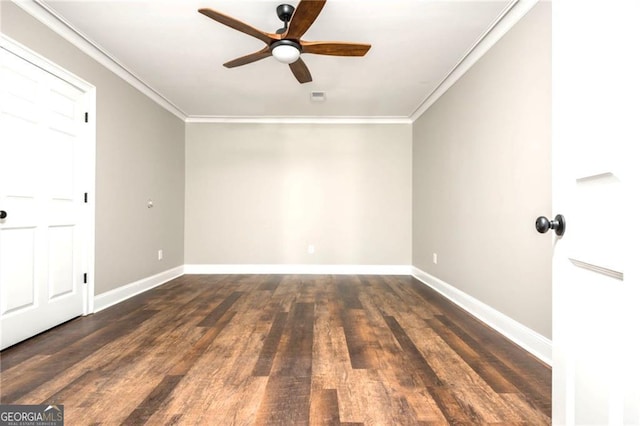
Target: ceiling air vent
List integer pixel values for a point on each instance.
(318, 97)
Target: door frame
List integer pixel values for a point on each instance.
(88, 177)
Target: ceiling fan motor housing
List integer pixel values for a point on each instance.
(285, 42)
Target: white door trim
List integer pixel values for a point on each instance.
(89, 135)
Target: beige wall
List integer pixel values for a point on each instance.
(261, 193)
(139, 154)
(481, 176)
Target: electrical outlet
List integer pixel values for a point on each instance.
(311, 249)
(160, 254)
(435, 258)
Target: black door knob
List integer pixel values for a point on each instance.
(558, 224)
(3, 214)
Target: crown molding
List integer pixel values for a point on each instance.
(298, 120)
(61, 27)
(509, 17)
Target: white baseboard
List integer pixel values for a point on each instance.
(120, 294)
(534, 343)
(300, 269)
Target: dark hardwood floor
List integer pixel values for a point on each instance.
(290, 349)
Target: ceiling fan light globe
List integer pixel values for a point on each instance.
(285, 53)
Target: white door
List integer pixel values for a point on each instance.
(41, 196)
(596, 141)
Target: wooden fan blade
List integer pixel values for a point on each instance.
(300, 71)
(334, 48)
(253, 57)
(237, 25)
(304, 15)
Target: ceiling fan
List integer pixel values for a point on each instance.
(286, 44)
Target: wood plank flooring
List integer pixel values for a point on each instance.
(280, 350)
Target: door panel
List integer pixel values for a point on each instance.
(17, 170)
(59, 165)
(61, 260)
(599, 201)
(596, 374)
(41, 259)
(17, 272)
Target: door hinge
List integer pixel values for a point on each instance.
(84, 278)
(86, 117)
(86, 197)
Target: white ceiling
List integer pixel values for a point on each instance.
(179, 53)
